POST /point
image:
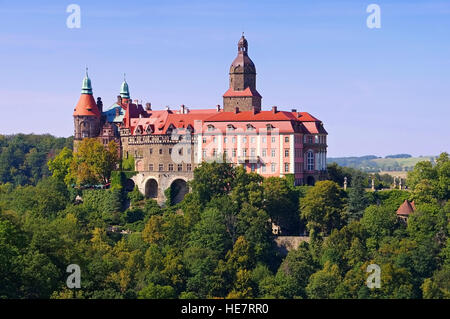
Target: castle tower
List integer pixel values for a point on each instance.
(242, 92)
(87, 114)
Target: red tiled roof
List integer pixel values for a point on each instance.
(246, 92)
(262, 116)
(86, 106)
(406, 208)
(161, 120)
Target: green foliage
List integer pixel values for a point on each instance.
(128, 164)
(323, 207)
(23, 158)
(93, 162)
(357, 200)
(219, 243)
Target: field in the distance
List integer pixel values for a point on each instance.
(393, 165)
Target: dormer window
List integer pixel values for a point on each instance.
(149, 129)
(269, 127)
(211, 128)
(170, 129)
(230, 127)
(250, 127)
(190, 129)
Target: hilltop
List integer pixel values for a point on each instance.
(390, 163)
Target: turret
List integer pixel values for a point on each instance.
(87, 113)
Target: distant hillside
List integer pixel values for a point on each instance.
(372, 163)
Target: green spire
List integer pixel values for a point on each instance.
(124, 91)
(86, 88)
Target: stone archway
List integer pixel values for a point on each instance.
(151, 188)
(310, 181)
(178, 189)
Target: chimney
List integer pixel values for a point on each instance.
(274, 109)
(218, 107)
(294, 110)
(167, 108)
(148, 106)
(182, 109)
(136, 102)
(100, 104)
(236, 110)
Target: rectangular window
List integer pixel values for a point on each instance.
(151, 151)
(273, 152)
(150, 167)
(170, 167)
(180, 167)
(170, 150)
(244, 152)
(286, 139)
(263, 168)
(203, 153)
(234, 152)
(286, 167)
(244, 139)
(273, 139)
(252, 140)
(225, 152)
(264, 152)
(273, 167)
(188, 167)
(264, 139)
(204, 140)
(233, 139)
(253, 152)
(286, 152)
(161, 167)
(214, 152)
(225, 140)
(160, 151)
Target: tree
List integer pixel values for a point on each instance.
(379, 222)
(211, 179)
(281, 202)
(323, 284)
(296, 269)
(153, 291)
(210, 232)
(357, 200)
(323, 207)
(59, 166)
(93, 163)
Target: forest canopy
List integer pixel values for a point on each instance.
(218, 242)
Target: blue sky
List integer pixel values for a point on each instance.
(378, 91)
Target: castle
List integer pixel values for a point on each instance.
(167, 145)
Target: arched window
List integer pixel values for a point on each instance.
(310, 161)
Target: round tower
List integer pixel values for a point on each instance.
(87, 114)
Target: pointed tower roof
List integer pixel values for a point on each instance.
(406, 208)
(86, 105)
(124, 91)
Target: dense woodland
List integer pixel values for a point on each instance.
(218, 242)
